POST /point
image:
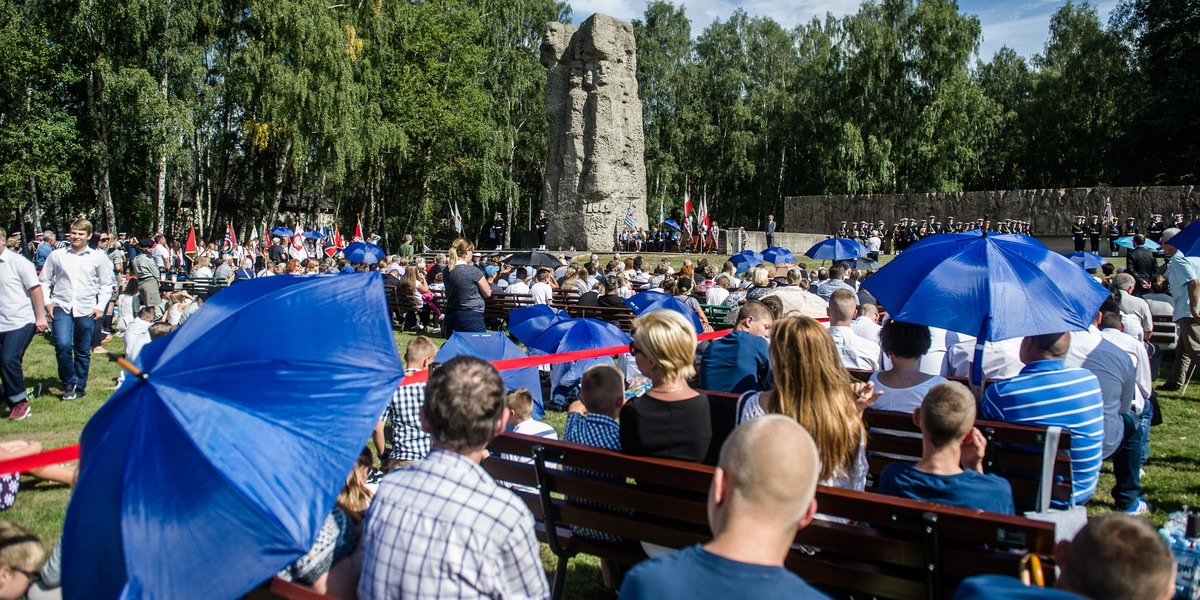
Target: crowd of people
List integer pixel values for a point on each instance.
(437, 525)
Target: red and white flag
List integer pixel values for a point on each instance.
(687, 209)
(358, 235)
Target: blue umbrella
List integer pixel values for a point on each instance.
(1127, 242)
(579, 334)
(282, 231)
(745, 260)
(527, 323)
(362, 252)
(1087, 260)
(993, 286)
(230, 464)
(493, 346)
(312, 235)
(778, 256)
(837, 249)
(671, 224)
(651, 300)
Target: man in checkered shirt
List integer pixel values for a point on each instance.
(441, 527)
(592, 420)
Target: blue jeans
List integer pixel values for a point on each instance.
(1127, 463)
(73, 348)
(12, 354)
(1147, 415)
(463, 320)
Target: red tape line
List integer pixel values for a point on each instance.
(69, 453)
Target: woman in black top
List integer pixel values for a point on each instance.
(671, 420)
(466, 289)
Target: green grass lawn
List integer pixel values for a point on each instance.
(1172, 477)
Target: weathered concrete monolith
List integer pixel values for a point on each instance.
(594, 165)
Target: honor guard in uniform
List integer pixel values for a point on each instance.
(542, 224)
(1079, 233)
(1178, 224)
(951, 225)
(931, 225)
(1155, 229)
(1114, 232)
(843, 231)
(1094, 231)
(497, 233)
(1130, 228)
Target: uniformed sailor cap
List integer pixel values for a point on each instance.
(1080, 217)
(1095, 217)
(1155, 216)
(1129, 219)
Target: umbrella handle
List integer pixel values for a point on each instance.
(128, 366)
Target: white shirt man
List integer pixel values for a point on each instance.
(856, 352)
(21, 314)
(541, 291)
(161, 254)
(518, 285)
(1001, 359)
(1118, 379)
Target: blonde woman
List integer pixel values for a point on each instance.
(466, 290)
(202, 270)
(671, 420)
(812, 387)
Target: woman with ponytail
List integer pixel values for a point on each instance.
(466, 289)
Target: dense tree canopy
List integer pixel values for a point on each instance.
(157, 115)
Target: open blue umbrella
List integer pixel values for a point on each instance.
(493, 346)
(283, 231)
(651, 300)
(1127, 242)
(778, 256)
(836, 249)
(362, 252)
(745, 260)
(228, 452)
(992, 286)
(671, 224)
(579, 334)
(527, 323)
(1087, 260)
(312, 235)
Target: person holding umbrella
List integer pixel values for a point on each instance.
(466, 290)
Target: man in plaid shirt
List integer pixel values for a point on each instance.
(442, 527)
(592, 420)
(409, 441)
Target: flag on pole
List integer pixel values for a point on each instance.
(703, 219)
(629, 220)
(1108, 211)
(189, 247)
(253, 234)
(661, 215)
(264, 241)
(337, 237)
(457, 216)
(358, 235)
(230, 241)
(687, 209)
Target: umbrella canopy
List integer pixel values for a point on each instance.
(230, 464)
(672, 224)
(1087, 260)
(580, 334)
(651, 300)
(992, 286)
(1190, 241)
(312, 235)
(493, 346)
(745, 260)
(837, 249)
(527, 323)
(866, 264)
(283, 231)
(533, 259)
(362, 252)
(778, 256)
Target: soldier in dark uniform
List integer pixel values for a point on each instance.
(1130, 228)
(1094, 230)
(1079, 233)
(1155, 229)
(931, 225)
(842, 231)
(1178, 224)
(1114, 232)
(497, 233)
(951, 225)
(892, 238)
(542, 224)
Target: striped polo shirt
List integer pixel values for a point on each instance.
(1047, 393)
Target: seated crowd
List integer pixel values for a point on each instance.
(438, 525)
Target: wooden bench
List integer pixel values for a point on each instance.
(401, 306)
(897, 548)
(621, 317)
(564, 297)
(205, 287)
(499, 304)
(1163, 334)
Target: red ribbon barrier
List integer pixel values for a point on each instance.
(69, 453)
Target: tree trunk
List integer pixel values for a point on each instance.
(512, 153)
(37, 206)
(280, 170)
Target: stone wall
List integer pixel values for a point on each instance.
(1051, 211)
(594, 167)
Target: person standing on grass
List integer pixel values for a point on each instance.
(76, 282)
(21, 313)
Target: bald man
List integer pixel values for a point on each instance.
(762, 493)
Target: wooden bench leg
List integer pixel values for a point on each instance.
(549, 519)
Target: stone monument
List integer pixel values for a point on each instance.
(594, 161)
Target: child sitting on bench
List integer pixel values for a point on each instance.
(950, 470)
